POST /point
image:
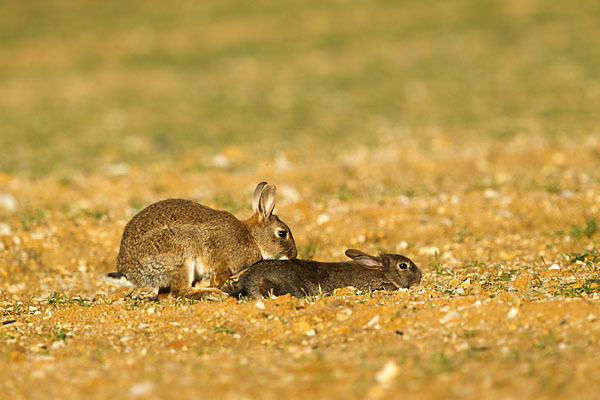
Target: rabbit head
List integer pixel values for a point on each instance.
(397, 269)
(273, 237)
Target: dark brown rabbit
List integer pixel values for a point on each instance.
(304, 277)
(175, 243)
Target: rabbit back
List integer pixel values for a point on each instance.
(279, 277)
(173, 233)
(305, 277)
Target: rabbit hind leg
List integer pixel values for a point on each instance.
(184, 288)
(205, 293)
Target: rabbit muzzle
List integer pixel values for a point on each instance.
(395, 284)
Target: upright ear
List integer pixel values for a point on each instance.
(256, 196)
(266, 201)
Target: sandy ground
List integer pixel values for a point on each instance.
(504, 231)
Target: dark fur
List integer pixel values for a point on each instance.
(304, 277)
(116, 275)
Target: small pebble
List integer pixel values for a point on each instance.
(16, 288)
(118, 169)
(282, 163)
(429, 251)
(8, 202)
(451, 315)
(491, 194)
(5, 229)
(58, 345)
(373, 322)
(221, 161)
(323, 218)
(289, 194)
(140, 389)
(387, 374)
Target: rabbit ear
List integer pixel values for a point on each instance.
(368, 262)
(353, 253)
(256, 196)
(266, 201)
(363, 259)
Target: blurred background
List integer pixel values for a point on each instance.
(197, 84)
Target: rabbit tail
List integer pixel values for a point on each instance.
(118, 278)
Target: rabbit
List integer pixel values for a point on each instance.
(174, 243)
(304, 277)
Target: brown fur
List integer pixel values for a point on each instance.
(164, 241)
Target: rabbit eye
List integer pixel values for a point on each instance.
(402, 266)
(281, 233)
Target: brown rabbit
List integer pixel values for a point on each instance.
(174, 243)
(304, 277)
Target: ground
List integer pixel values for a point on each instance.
(462, 136)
